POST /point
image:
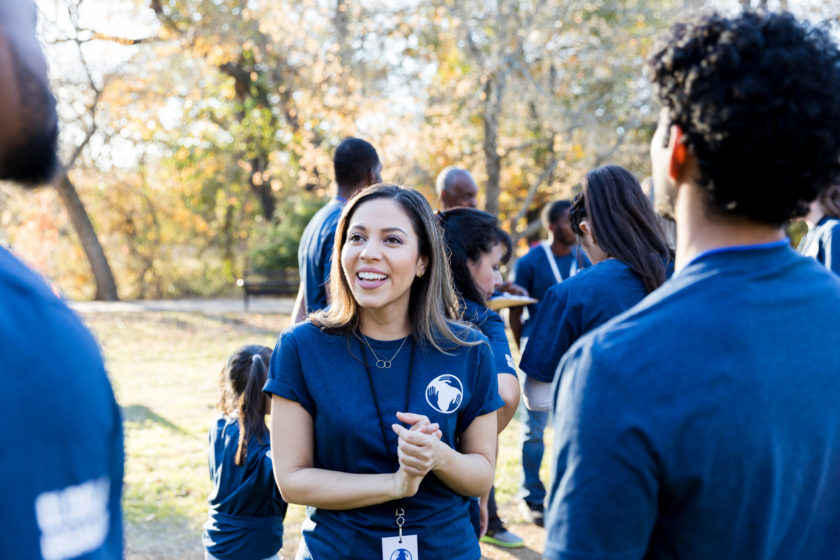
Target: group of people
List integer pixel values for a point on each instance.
(693, 416)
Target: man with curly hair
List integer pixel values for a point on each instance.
(704, 422)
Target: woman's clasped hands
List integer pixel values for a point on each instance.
(419, 449)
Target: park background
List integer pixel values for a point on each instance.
(196, 142)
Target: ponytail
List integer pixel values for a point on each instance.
(251, 408)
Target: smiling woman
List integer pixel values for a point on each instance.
(382, 388)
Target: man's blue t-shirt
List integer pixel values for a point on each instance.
(325, 373)
(492, 326)
(246, 510)
(534, 273)
(704, 422)
(315, 253)
(820, 243)
(61, 454)
(574, 307)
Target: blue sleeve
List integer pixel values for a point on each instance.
(603, 497)
(494, 329)
(523, 274)
(832, 249)
(555, 329)
(485, 394)
(326, 266)
(285, 373)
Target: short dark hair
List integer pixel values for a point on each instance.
(552, 211)
(352, 160)
(623, 222)
(32, 160)
(757, 97)
(469, 233)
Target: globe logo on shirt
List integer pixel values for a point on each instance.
(401, 554)
(445, 393)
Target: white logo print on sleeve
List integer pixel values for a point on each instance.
(445, 393)
(74, 520)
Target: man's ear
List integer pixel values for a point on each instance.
(679, 154)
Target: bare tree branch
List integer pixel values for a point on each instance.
(532, 190)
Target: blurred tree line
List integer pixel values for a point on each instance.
(197, 134)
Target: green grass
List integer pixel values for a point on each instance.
(164, 367)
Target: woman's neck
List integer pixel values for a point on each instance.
(384, 324)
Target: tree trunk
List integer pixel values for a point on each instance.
(493, 92)
(106, 287)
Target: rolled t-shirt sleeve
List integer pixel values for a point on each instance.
(285, 373)
(554, 330)
(493, 327)
(485, 394)
(604, 495)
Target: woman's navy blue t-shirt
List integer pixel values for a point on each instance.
(574, 307)
(246, 510)
(326, 375)
(491, 325)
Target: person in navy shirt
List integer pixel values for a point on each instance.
(620, 233)
(61, 455)
(356, 166)
(477, 248)
(383, 414)
(822, 241)
(702, 423)
(246, 511)
(546, 264)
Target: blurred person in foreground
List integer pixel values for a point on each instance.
(703, 422)
(61, 458)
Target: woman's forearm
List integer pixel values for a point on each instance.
(340, 490)
(468, 474)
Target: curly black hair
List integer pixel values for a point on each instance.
(757, 97)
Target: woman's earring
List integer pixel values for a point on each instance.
(419, 274)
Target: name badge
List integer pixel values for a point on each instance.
(393, 549)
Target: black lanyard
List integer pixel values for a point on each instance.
(376, 400)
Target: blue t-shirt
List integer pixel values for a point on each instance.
(61, 454)
(326, 375)
(574, 307)
(819, 243)
(246, 510)
(534, 273)
(704, 422)
(315, 253)
(491, 325)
